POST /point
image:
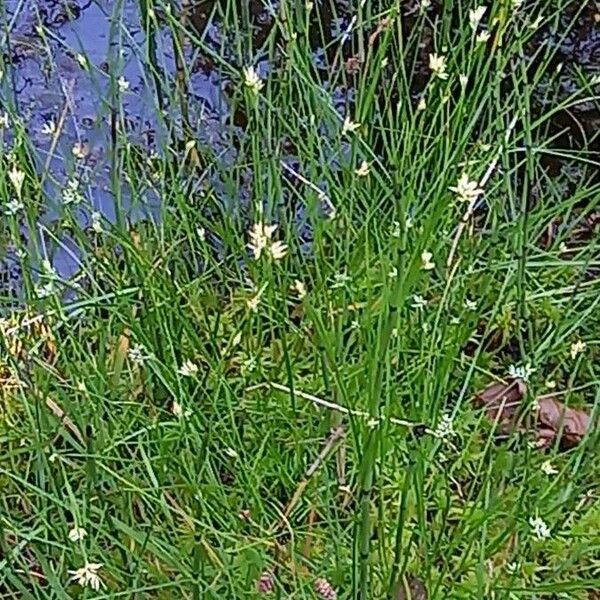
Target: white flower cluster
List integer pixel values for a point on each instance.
(523, 372)
(71, 193)
(444, 428)
(261, 239)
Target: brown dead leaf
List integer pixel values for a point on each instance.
(556, 418)
(27, 335)
(120, 353)
(503, 400)
(9, 381)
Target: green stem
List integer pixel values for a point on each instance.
(367, 471)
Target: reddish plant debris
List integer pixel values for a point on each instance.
(382, 26)
(353, 65)
(554, 418)
(324, 589)
(266, 583)
(503, 403)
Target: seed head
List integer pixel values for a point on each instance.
(266, 583)
(324, 589)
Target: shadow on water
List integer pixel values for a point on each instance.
(86, 74)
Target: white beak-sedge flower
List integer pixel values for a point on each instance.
(426, 261)
(88, 576)
(466, 189)
(475, 16)
(252, 80)
(437, 64)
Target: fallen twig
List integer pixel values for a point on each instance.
(336, 435)
(320, 193)
(332, 405)
(60, 414)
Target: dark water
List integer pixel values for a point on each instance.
(46, 83)
(82, 67)
(49, 84)
(576, 42)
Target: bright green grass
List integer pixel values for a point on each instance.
(194, 506)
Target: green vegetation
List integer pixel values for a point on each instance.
(221, 405)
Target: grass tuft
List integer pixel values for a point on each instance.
(247, 305)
